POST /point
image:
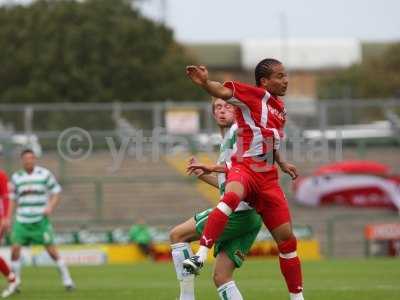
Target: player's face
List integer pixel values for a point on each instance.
(28, 161)
(278, 82)
(224, 113)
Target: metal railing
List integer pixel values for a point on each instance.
(355, 223)
(38, 118)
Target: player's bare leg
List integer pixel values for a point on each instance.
(6, 271)
(223, 278)
(16, 262)
(180, 237)
(9, 275)
(62, 267)
(288, 259)
(217, 219)
(184, 232)
(14, 286)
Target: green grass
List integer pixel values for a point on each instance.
(258, 279)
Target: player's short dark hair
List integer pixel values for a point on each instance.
(27, 151)
(264, 69)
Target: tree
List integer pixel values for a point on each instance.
(93, 50)
(375, 77)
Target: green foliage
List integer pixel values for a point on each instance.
(375, 77)
(93, 50)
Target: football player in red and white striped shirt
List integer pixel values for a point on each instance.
(260, 115)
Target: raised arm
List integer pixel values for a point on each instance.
(199, 75)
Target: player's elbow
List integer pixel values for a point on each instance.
(226, 94)
(220, 92)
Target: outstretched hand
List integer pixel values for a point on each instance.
(191, 161)
(194, 167)
(289, 169)
(198, 167)
(198, 74)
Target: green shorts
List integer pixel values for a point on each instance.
(39, 233)
(238, 236)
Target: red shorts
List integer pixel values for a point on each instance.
(263, 192)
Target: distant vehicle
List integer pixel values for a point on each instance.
(351, 183)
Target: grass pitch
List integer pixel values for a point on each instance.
(258, 279)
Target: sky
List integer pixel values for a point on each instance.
(235, 20)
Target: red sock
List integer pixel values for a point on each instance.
(214, 227)
(218, 218)
(291, 266)
(4, 268)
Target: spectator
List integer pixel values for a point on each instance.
(140, 234)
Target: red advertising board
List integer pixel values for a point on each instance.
(385, 231)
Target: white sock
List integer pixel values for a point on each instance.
(16, 268)
(187, 288)
(180, 252)
(229, 291)
(202, 253)
(298, 296)
(65, 276)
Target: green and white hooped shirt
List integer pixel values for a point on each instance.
(226, 150)
(31, 193)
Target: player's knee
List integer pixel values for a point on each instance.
(221, 278)
(283, 233)
(284, 237)
(288, 246)
(15, 253)
(235, 187)
(53, 253)
(175, 235)
(229, 202)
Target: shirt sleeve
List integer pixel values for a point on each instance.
(4, 195)
(277, 139)
(52, 185)
(245, 94)
(3, 186)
